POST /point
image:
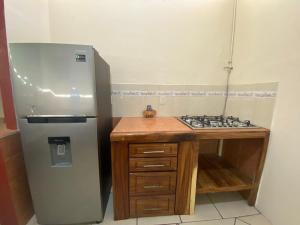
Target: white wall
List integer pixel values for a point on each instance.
(268, 50)
(279, 191)
(157, 43)
(258, 41)
(27, 20)
(150, 42)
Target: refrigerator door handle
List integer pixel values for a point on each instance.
(56, 119)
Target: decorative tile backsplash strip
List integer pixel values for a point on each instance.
(257, 94)
(248, 101)
(172, 93)
(253, 102)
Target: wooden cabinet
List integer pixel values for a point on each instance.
(151, 188)
(151, 179)
(152, 205)
(15, 199)
(155, 165)
(153, 150)
(150, 183)
(152, 164)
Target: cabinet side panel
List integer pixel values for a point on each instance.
(244, 155)
(120, 179)
(186, 177)
(247, 156)
(253, 193)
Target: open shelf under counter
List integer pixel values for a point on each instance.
(215, 175)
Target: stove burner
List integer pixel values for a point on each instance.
(198, 122)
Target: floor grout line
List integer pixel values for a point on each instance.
(206, 220)
(215, 206)
(181, 221)
(172, 223)
(255, 214)
(257, 210)
(243, 221)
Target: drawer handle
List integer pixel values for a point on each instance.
(149, 166)
(152, 209)
(151, 152)
(152, 186)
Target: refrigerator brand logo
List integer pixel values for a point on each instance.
(80, 58)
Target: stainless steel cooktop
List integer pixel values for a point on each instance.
(200, 122)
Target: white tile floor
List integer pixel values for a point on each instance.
(212, 209)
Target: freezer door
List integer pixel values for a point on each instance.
(53, 79)
(62, 165)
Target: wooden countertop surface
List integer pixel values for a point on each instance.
(151, 129)
(131, 128)
(158, 124)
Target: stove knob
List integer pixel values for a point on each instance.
(247, 122)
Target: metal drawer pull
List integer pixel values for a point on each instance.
(158, 165)
(152, 186)
(151, 152)
(153, 209)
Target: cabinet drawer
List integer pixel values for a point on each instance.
(153, 150)
(152, 206)
(152, 183)
(152, 164)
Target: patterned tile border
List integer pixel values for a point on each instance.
(240, 94)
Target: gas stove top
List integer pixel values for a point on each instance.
(200, 122)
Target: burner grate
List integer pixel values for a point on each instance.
(200, 122)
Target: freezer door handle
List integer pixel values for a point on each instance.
(56, 119)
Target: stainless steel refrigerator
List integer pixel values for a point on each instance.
(63, 105)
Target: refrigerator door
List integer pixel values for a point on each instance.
(63, 170)
(53, 79)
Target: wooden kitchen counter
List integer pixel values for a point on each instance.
(231, 133)
(168, 128)
(129, 128)
(155, 165)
